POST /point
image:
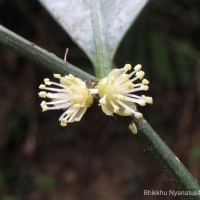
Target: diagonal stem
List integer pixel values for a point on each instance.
(48, 60)
(168, 161)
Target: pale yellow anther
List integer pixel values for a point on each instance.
(137, 68)
(63, 122)
(50, 95)
(142, 102)
(133, 128)
(147, 99)
(57, 75)
(42, 87)
(42, 94)
(121, 97)
(138, 115)
(145, 82)
(130, 85)
(127, 67)
(144, 87)
(47, 81)
(44, 106)
(140, 74)
(43, 103)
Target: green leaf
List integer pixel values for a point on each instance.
(96, 26)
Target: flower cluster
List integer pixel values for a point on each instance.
(71, 94)
(116, 94)
(117, 91)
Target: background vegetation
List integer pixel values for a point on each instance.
(96, 159)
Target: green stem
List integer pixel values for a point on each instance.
(168, 161)
(46, 59)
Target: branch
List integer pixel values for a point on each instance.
(168, 161)
(149, 139)
(46, 59)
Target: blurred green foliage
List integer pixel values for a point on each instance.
(194, 154)
(165, 42)
(45, 182)
(10, 197)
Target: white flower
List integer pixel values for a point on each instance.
(117, 91)
(71, 94)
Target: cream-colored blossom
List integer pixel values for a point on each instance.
(117, 91)
(71, 95)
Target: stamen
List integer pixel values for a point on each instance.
(116, 108)
(42, 94)
(44, 106)
(145, 82)
(63, 122)
(57, 102)
(47, 81)
(73, 115)
(42, 87)
(59, 85)
(137, 67)
(61, 106)
(140, 75)
(127, 67)
(80, 115)
(66, 113)
(139, 101)
(121, 97)
(147, 99)
(144, 87)
(53, 89)
(125, 106)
